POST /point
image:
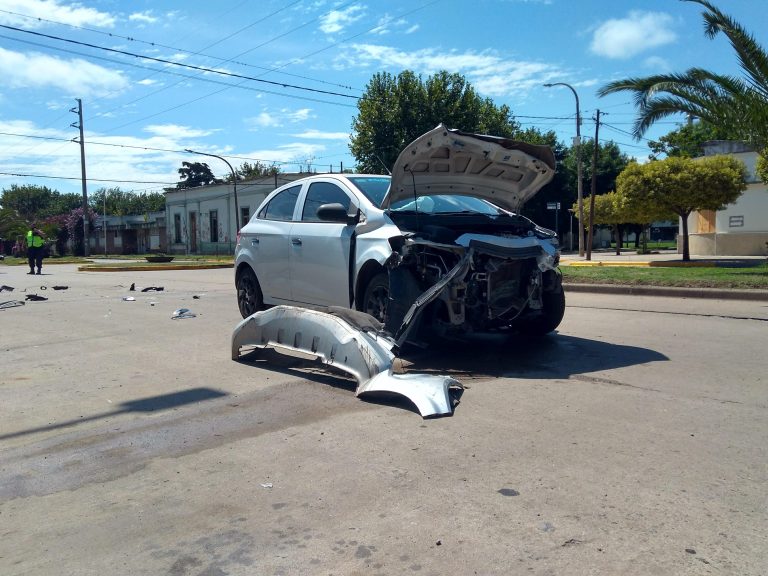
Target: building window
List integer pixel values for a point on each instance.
(245, 215)
(214, 222)
(177, 228)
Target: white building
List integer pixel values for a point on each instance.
(202, 220)
(741, 229)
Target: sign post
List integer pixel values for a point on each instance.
(556, 207)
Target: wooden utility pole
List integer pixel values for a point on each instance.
(593, 190)
(79, 124)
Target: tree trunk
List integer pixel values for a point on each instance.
(617, 234)
(686, 252)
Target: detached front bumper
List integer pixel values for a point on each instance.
(351, 341)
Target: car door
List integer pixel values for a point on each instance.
(320, 250)
(268, 240)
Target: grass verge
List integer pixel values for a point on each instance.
(734, 278)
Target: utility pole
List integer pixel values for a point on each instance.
(594, 187)
(79, 124)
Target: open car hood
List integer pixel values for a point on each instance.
(445, 161)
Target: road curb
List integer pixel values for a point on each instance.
(150, 267)
(669, 291)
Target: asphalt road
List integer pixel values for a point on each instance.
(634, 441)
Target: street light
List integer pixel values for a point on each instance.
(579, 193)
(234, 182)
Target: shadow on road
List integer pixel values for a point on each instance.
(555, 356)
(151, 404)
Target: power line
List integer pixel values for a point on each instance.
(89, 179)
(179, 64)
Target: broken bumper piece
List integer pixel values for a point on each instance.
(351, 341)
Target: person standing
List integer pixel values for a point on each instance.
(35, 248)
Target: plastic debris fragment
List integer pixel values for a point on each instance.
(129, 299)
(35, 297)
(182, 313)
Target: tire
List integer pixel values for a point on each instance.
(551, 314)
(249, 296)
(376, 297)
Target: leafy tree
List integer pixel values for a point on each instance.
(194, 174)
(33, 203)
(737, 105)
(11, 224)
(611, 210)
(248, 171)
(687, 140)
(73, 223)
(122, 203)
(395, 110)
(683, 185)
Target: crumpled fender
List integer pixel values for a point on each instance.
(351, 341)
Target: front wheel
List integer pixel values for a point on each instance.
(376, 297)
(249, 297)
(551, 314)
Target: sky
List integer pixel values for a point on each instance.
(277, 81)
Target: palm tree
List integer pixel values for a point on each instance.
(739, 105)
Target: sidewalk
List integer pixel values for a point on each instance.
(664, 258)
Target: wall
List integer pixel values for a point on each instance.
(219, 197)
(741, 229)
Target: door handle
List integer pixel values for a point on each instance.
(254, 241)
(296, 241)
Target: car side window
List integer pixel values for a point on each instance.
(281, 206)
(320, 193)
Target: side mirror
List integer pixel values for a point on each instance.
(337, 213)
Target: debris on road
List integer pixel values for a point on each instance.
(129, 299)
(35, 298)
(61, 287)
(133, 287)
(153, 288)
(7, 288)
(10, 304)
(352, 341)
(182, 313)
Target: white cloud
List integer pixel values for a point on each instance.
(145, 17)
(33, 70)
(627, 37)
(657, 63)
(147, 82)
(176, 131)
(318, 135)
(490, 74)
(336, 20)
(74, 14)
(388, 24)
(267, 119)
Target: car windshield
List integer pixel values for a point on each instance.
(446, 204)
(373, 187)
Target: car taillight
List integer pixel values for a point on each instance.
(237, 243)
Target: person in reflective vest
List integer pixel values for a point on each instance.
(35, 249)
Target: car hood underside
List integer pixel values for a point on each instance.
(445, 161)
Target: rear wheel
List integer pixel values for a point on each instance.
(249, 297)
(376, 297)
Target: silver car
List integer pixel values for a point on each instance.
(435, 249)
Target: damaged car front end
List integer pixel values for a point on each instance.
(466, 261)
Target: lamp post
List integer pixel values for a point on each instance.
(579, 193)
(234, 182)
